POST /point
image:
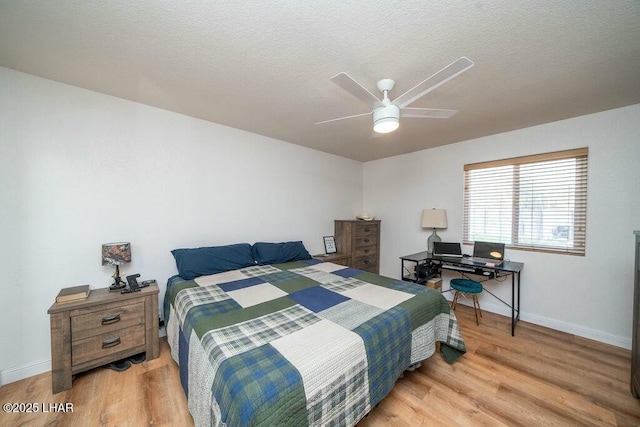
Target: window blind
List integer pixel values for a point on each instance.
(533, 202)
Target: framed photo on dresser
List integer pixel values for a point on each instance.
(330, 244)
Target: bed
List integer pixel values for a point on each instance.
(299, 342)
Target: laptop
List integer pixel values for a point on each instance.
(488, 252)
(447, 250)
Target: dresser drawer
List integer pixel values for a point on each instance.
(361, 242)
(364, 251)
(362, 230)
(367, 263)
(100, 321)
(105, 344)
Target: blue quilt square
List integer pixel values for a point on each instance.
(249, 387)
(347, 272)
(317, 298)
(240, 284)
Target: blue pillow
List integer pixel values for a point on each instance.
(197, 262)
(278, 253)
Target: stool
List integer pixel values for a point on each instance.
(467, 286)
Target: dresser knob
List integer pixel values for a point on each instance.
(366, 251)
(111, 342)
(366, 240)
(107, 320)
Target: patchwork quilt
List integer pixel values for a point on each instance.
(301, 343)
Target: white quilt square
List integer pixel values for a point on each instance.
(321, 352)
(377, 296)
(257, 294)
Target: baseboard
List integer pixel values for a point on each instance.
(558, 325)
(581, 331)
(25, 371)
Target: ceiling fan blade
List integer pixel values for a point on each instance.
(344, 118)
(346, 82)
(438, 79)
(427, 113)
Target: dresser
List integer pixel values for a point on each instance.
(635, 346)
(104, 327)
(359, 241)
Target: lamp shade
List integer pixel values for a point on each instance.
(118, 253)
(434, 218)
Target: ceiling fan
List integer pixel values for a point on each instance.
(387, 113)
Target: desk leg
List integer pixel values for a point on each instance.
(519, 273)
(513, 303)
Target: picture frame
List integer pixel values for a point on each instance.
(330, 244)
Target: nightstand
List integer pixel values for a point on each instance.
(337, 258)
(104, 327)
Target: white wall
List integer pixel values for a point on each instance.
(78, 169)
(589, 296)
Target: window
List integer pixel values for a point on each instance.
(534, 202)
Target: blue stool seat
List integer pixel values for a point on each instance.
(467, 286)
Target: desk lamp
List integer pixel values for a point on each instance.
(116, 254)
(434, 218)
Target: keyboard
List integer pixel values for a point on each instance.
(479, 260)
(447, 255)
(459, 268)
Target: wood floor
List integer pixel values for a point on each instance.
(539, 378)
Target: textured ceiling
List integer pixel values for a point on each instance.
(264, 66)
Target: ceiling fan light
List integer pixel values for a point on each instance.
(386, 125)
(386, 118)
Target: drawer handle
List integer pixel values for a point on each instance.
(366, 240)
(111, 342)
(366, 261)
(366, 251)
(366, 229)
(107, 320)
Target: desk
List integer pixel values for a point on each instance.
(465, 266)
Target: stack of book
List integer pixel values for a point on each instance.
(74, 293)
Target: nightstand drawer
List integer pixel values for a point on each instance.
(105, 344)
(337, 258)
(106, 320)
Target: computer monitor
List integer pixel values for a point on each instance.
(488, 250)
(446, 249)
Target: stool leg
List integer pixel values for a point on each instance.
(478, 302)
(455, 299)
(475, 309)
